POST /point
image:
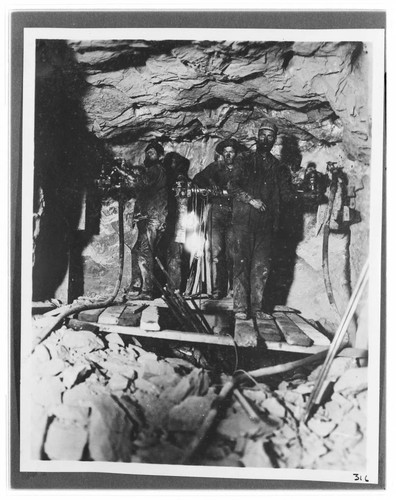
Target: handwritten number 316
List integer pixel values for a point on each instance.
(359, 477)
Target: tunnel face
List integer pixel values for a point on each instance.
(100, 99)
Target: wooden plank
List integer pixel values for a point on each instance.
(200, 338)
(111, 314)
(245, 335)
(91, 314)
(268, 330)
(150, 319)
(76, 324)
(131, 315)
(292, 333)
(353, 352)
(285, 347)
(211, 305)
(285, 309)
(315, 335)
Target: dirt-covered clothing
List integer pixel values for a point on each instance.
(151, 212)
(218, 175)
(263, 178)
(255, 177)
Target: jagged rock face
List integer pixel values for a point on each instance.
(182, 91)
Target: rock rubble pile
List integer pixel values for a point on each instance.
(96, 398)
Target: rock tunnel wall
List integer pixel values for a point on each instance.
(189, 95)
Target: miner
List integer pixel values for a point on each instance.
(173, 244)
(216, 176)
(258, 186)
(151, 212)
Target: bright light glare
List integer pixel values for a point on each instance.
(190, 221)
(195, 244)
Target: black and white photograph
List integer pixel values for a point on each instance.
(201, 252)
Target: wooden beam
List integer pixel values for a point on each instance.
(315, 335)
(283, 346)
(268, 330)
(90, 314)
(131, 315)
(111, 314)
(245, 334)
(353, 352)
(291, 332)
(203, 338)
(285, 309)
(150, 319)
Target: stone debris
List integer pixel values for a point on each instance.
(74, 373)
(352, 381)
(65, 440)
(189, 414)
(114, 339)
(255, 455)
(96, 398)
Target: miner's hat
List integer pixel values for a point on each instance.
(228, 143)
(267, 125)
(157, 146)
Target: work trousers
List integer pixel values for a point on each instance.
(222, 255)
(177, 264)
(144, 252)
(251, 268)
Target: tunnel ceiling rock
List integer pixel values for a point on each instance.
(190, 90)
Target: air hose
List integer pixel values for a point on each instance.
(325, 247)
(77, 308)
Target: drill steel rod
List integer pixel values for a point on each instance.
(186, 308)
(202, 317)
(174, 307)
(200, 323)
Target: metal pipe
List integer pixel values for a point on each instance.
(337, 340)
(202, 317)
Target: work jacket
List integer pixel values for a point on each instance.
(216, 174)
(152, 196)
(263, 178)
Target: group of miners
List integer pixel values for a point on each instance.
(247, 191)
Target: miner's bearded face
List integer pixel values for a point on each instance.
(266, 139)
(152, 156)
(229, 154)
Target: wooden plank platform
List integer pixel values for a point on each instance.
(111, 314)
(286, 331)
(245, 334)
(268, 330)
(203, 338)
(90, 315)
(315, 335)
(291, 332)
(131, 315)
(150, 319)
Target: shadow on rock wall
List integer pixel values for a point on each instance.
(290, 232)
(67, 159)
